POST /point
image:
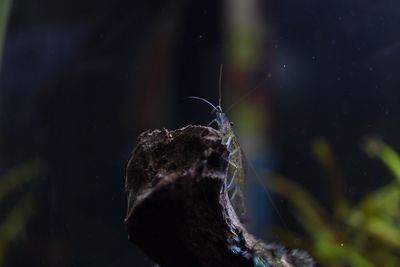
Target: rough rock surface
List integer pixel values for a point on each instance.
(178, 210)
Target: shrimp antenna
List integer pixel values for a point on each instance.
(220, 83)
(204, 100)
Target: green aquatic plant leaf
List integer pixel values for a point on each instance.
(383, 203)
(342, 254)
(15, 178)
(326, 158)
(384, 231)
(14, 222)
(309, 212)
(377, 148)
(5, 8)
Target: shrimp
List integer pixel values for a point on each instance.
(236, 175)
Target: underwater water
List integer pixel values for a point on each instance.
(312, 88)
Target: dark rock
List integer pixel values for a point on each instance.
(179, 213)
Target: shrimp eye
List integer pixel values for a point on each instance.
(231, 123)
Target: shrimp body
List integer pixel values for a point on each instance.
(236, 175)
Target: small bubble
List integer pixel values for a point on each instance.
(341, 244)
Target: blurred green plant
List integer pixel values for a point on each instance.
(363, 234)
(14, 220)
(5, 8)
